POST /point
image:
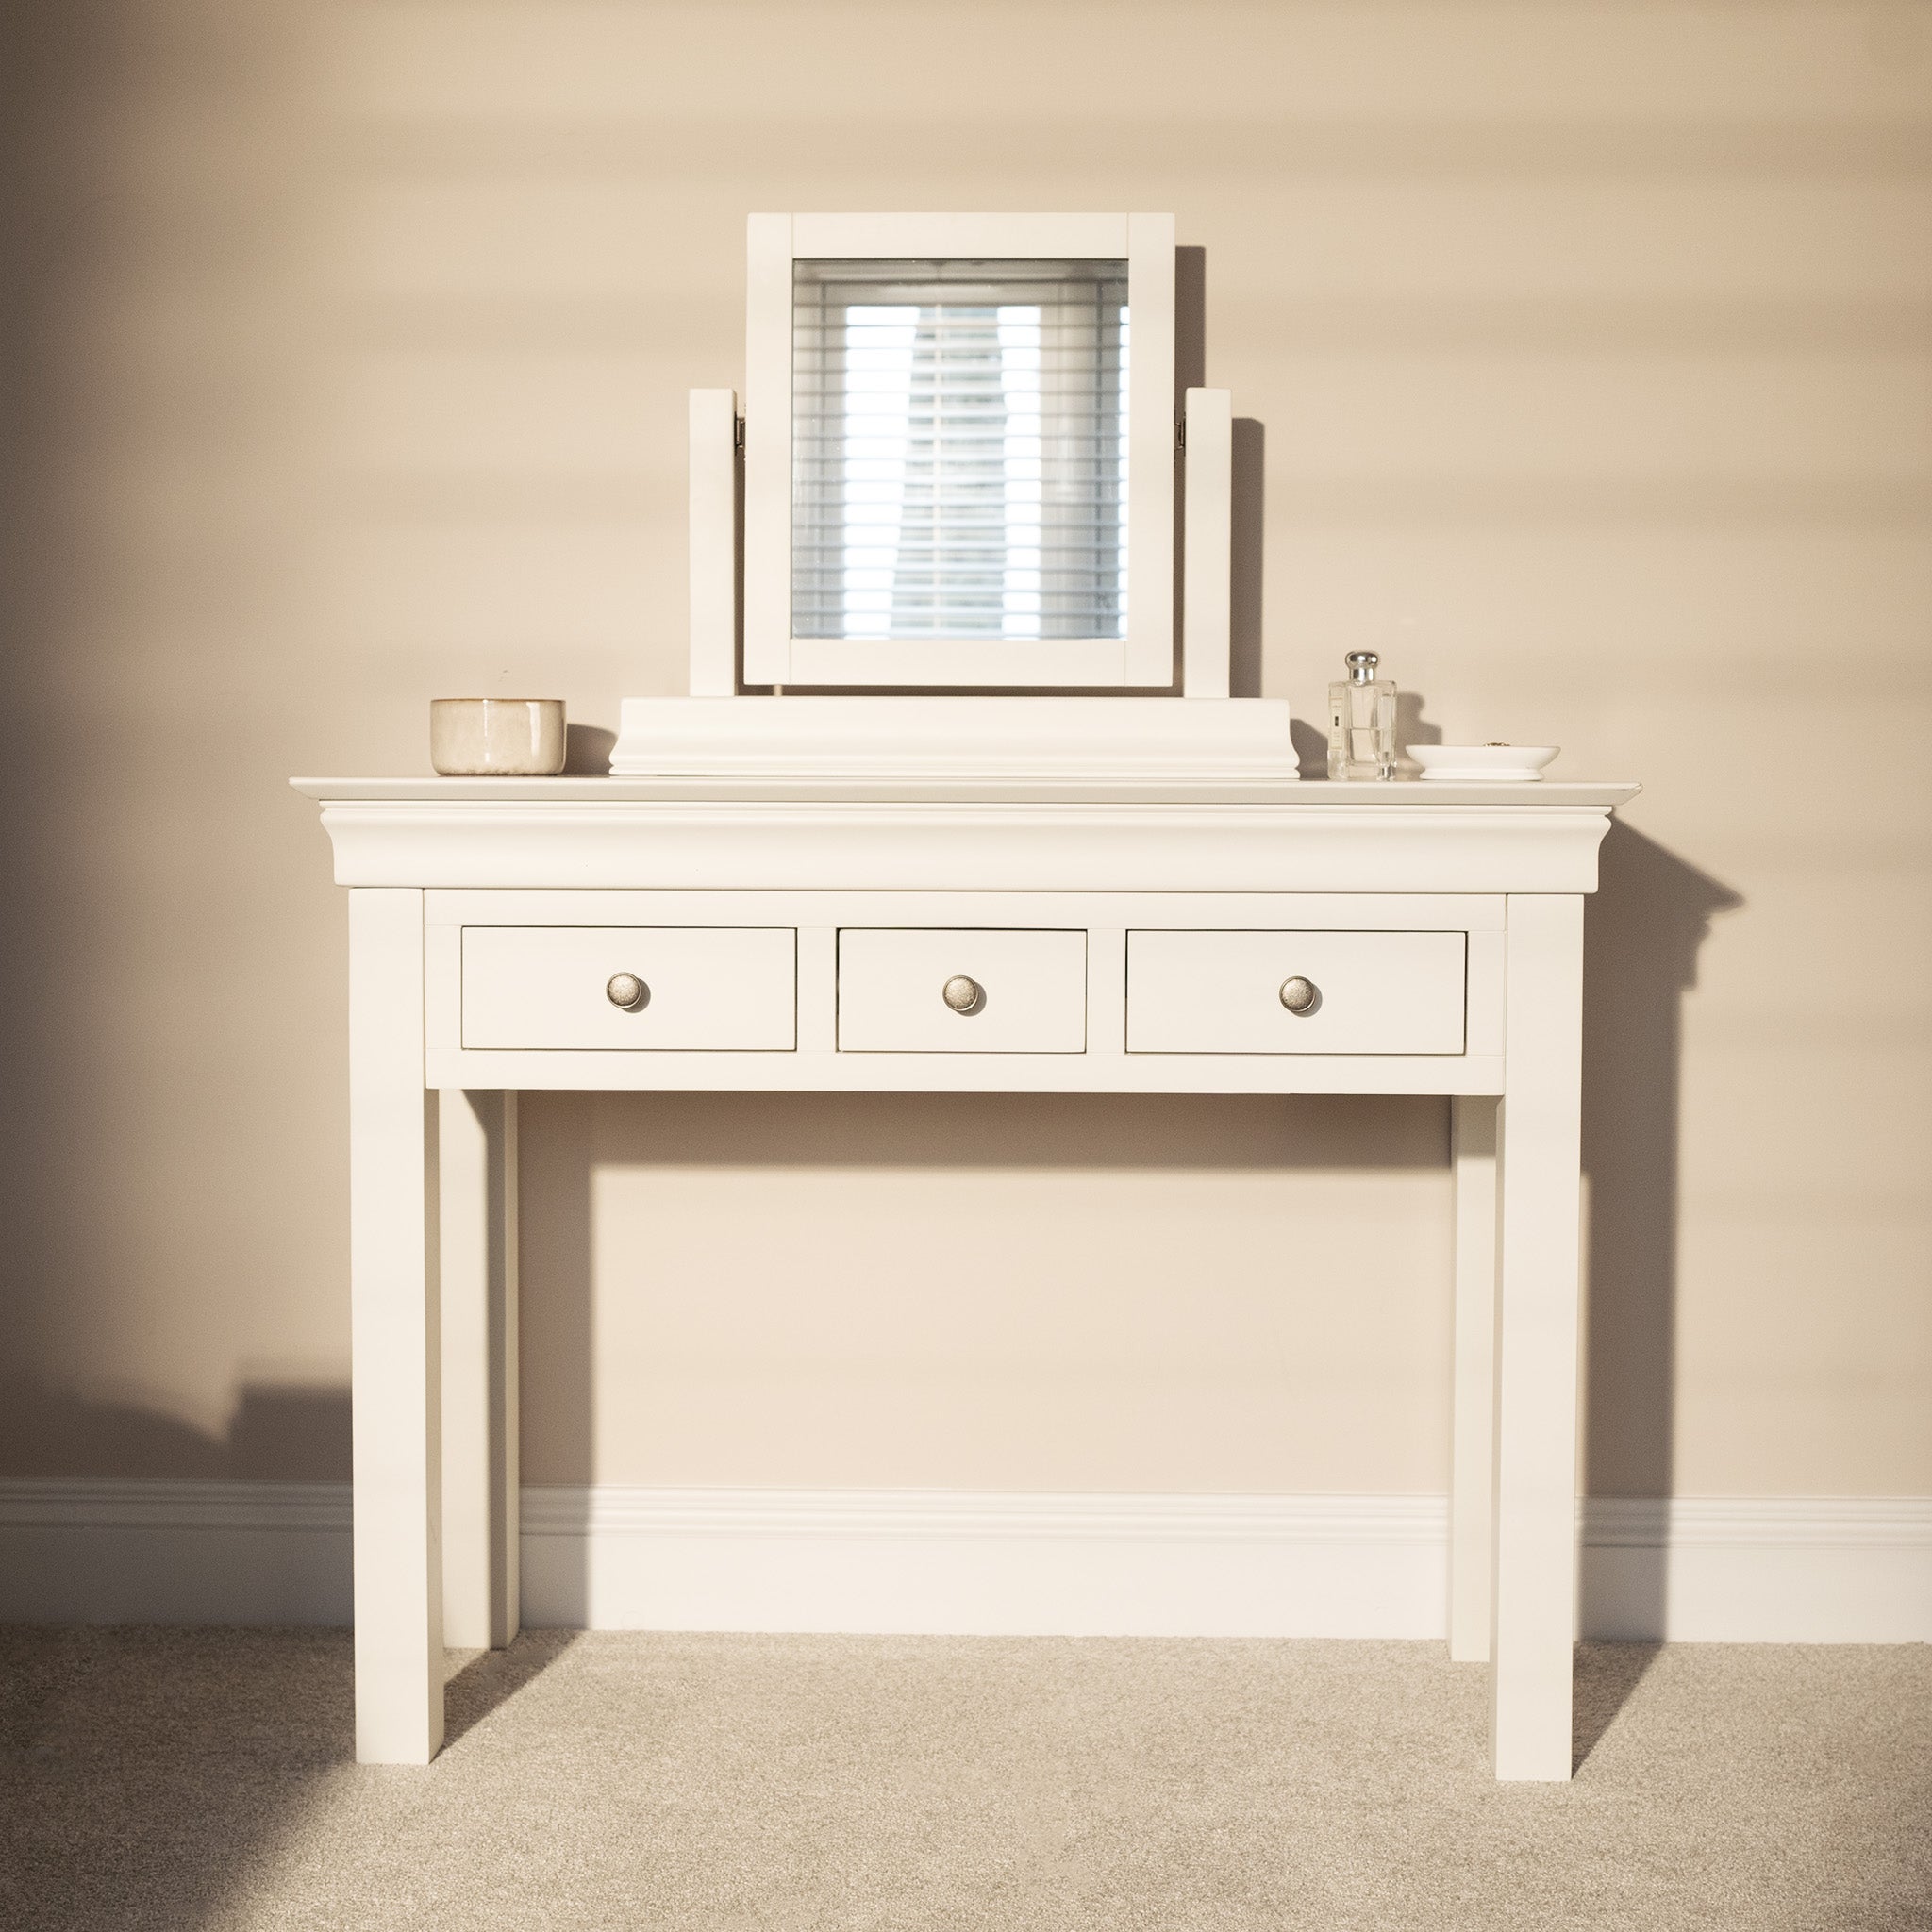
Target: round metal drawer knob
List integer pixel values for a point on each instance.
(1299, 995)
(627, 990)
(962, 995)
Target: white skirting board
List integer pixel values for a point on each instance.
(1822, 1570)
(174, 1551)
(986, 1564)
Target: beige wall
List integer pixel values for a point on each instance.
(1592, 351)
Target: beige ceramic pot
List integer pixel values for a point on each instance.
(499, 737)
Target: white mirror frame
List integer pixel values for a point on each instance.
(1145, 656)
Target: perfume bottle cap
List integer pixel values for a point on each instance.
(1361, 666)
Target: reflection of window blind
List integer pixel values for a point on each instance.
(958, 449)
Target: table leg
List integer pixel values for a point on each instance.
(1473, 1160)
(478, 1157)
(1534, 1609)
(395, 1349)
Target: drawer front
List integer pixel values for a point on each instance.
(709, 989)
(892, 986)
(1220, 992)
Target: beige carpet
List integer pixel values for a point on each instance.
(192, 1779)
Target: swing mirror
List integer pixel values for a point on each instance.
(960, 452)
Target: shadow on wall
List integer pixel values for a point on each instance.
(1247, 480)
(1189, 318)
(279, 1433)
(587, 751)
(1641, 934)
(1247, 545)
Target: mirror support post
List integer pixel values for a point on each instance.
(713, 542)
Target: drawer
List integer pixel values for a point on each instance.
(708, 988)
(1220, 992)
(892, 990)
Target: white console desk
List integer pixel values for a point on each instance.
(947, 938)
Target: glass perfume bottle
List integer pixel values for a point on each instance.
(1362, 722)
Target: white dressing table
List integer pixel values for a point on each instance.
(806, 935)
(951, 477)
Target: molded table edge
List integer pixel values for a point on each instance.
(1307, 793)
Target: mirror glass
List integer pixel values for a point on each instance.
(960, 449)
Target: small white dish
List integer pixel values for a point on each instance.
(497, 738)
(1482, 764)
